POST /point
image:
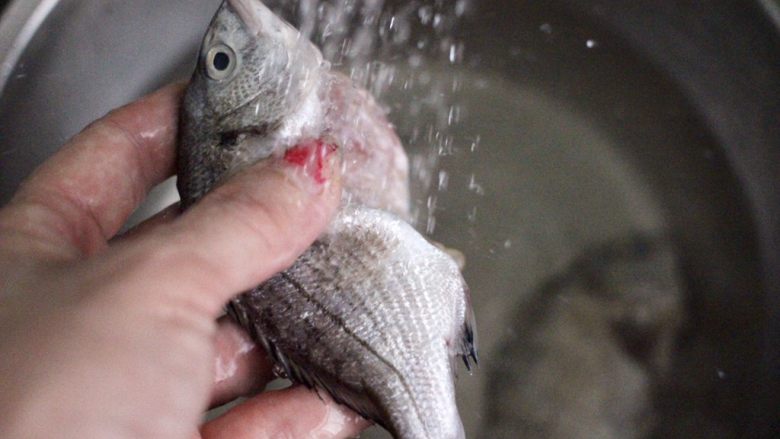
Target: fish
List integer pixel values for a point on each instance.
(588, 350)
(372, 313)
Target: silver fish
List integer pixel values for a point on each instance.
(372, 313)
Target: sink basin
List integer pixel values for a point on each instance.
(609, 171)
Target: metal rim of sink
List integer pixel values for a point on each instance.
(18, 25)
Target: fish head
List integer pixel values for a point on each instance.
(253, 71)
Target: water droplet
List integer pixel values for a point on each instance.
(476, 187)
(460, 7)
(426, 14)
(432, 200)
(444, 180)
(475, 144)
(453, 116)
(446, 144)
(437, 20)
(456, 85)
(430, 227)
(472, 215)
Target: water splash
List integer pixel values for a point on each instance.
(403, 53)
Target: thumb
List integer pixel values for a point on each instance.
(242, 233)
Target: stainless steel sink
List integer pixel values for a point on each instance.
(586, 148)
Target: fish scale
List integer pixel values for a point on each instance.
(372, 312)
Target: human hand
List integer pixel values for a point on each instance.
(116, 338)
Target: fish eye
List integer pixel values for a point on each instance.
(220, 62)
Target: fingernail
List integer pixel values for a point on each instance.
(316, 160)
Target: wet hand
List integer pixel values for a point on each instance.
(117, 337)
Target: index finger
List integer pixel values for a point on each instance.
(82, 196)
(240, 366)
(290, 413)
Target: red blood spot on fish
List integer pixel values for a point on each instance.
(312, 155)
